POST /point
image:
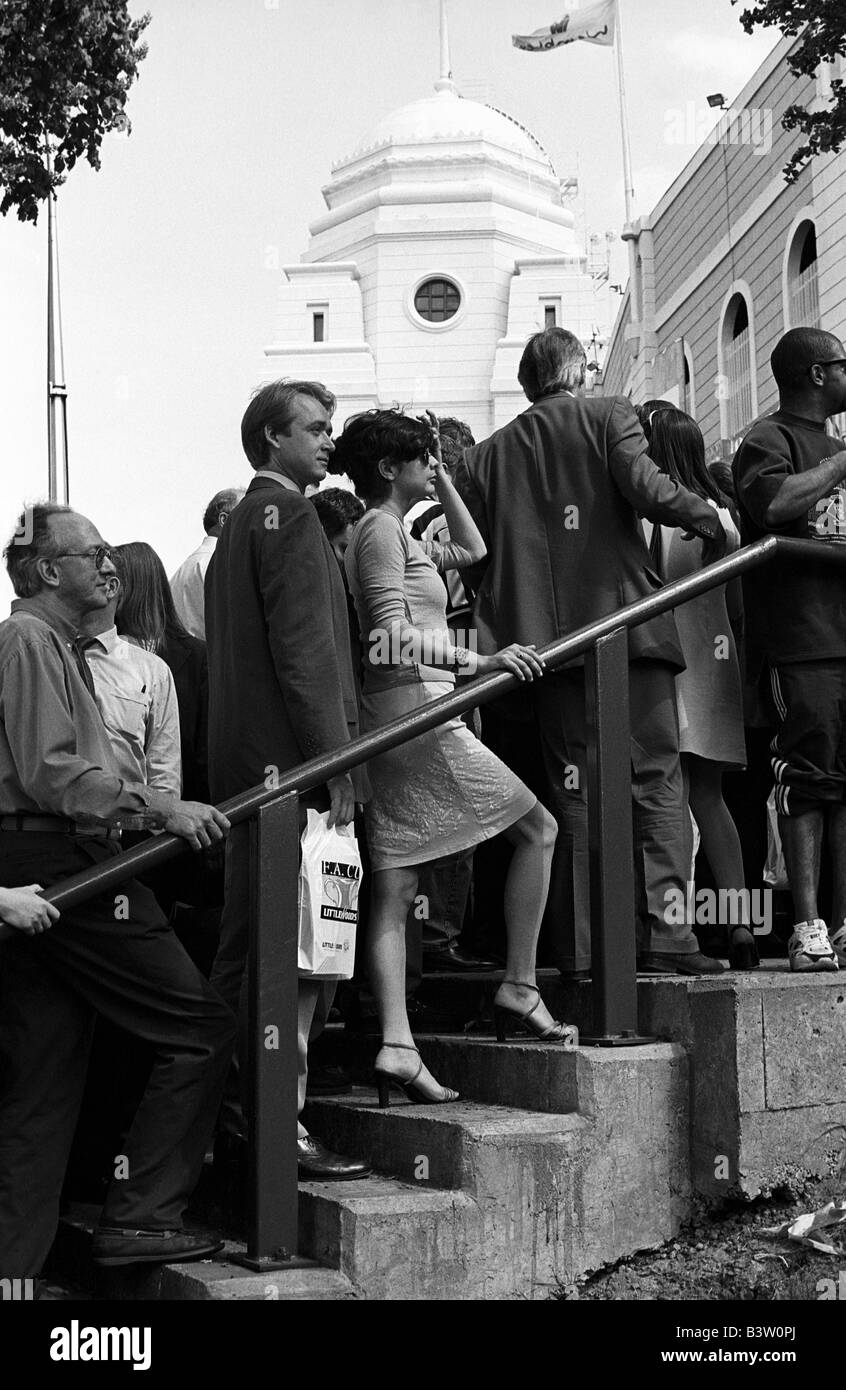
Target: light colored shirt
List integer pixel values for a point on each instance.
(187, 587)
(55, 754)
(136, 697)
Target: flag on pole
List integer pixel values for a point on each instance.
(593, 22)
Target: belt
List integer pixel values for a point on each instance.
(56, 825)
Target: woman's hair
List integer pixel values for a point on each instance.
(374, 437)
(646, 411)
(677, 447)
(145, 608)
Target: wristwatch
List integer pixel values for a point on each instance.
(461, 656)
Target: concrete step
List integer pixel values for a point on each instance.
(200, 1280)
(396, 1240)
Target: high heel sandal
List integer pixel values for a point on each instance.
(386, 1079)
(567, 1033)
(742, 954)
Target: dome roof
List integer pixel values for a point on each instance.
(448, 117)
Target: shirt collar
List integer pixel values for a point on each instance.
(277, 478)
(207, 543)
(43, 609)
(108, 640)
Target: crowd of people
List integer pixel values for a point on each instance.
(131, 705)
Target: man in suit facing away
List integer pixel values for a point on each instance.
(281, 687)
(557, 494)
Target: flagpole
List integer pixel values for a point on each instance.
(628, 186)
(445, 82)
(57, 436)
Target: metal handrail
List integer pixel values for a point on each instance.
(317, 771)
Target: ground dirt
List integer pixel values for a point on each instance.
(723, 1254)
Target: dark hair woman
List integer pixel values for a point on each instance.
(146, 613)
(708, 693)
(444, 791)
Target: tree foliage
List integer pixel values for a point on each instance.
(822, 24)
(66, 67)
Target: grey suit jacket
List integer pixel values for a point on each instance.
(557, 495)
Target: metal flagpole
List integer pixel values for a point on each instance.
(445, 82)
(624, 120)
(57, 436)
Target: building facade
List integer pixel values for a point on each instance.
(730, 258)
(446, 241)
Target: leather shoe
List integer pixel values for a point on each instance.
(114, 1245)
(657, 963)
(318, 1164)
(444, 959)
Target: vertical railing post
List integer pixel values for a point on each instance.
(612, 884)
(272, 1036)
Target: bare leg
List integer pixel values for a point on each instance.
(392, 893)
(801, 838)
(837, 845)
(526, 888)
(718, 832)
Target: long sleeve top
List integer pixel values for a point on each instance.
(55, 755)
(400, 600)
(136, 697)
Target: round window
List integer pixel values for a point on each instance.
(437, 300)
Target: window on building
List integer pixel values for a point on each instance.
(437, 300)
(549, 317)
(738, 366)
(319, 326)
(803, 295)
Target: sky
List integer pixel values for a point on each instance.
(170, 253)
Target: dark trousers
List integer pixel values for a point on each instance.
(113, 956)
(661, 824)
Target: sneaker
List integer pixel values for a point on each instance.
(809, 947)
(838, 942)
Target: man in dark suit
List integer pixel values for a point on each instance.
(557, 494)
(281, 686)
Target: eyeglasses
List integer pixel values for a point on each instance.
(98, 555)
(832, 362)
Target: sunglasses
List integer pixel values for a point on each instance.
(832, 362)
(99, 555)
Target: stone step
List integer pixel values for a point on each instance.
(396, 1240)
(197, 1281)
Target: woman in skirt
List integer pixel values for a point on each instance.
(444, 791)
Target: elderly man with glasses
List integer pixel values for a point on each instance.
(789, 474)
(63, 798)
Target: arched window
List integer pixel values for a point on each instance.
(688, 403)
(803, 303)
(738, 387)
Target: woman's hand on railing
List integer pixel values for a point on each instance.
(341, 799)
(23, 909)
(197, 823)
(520, 660)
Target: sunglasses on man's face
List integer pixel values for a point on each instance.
(98, 554)
(832, 362)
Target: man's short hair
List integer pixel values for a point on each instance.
(337, 508)
(32, 541)
(274, 405)
(553, 360)
(222, 501)
(798, 350)
(456, 436)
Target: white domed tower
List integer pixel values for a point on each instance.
(444, 245)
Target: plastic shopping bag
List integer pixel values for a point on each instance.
(775, 869)
(330, 876)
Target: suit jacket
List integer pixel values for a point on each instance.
(556, 494)
(280, 673)
(186, 657)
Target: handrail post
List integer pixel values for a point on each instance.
(612, 883)
(272, 1037)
